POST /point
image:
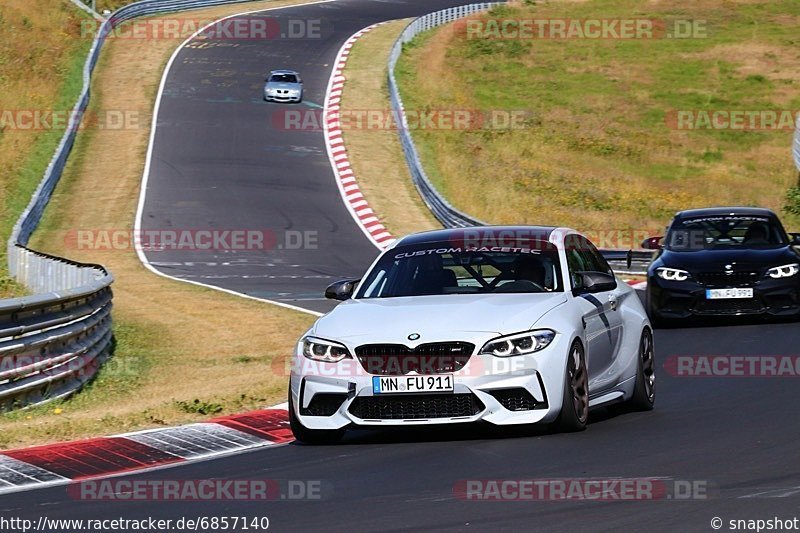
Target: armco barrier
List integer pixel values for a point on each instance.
(448, 215)
(796, 145)
(53, 342)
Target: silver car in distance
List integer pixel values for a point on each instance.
(506, 325)
(283, 86)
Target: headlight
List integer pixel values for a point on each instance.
(270, 91)
(322, 350)
(672, 274)
(519, 344)
(784, 271)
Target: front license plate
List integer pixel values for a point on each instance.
(728, 294)
(404, 384)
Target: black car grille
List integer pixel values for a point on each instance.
(398, 360)
(725, 279)
(415, 406)
(323, 404)
(517, 399)
(730, 307)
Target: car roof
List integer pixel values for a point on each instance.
(721, 211)
(284, 71)
(479, 232)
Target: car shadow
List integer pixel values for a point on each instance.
(725, 321)
(465, 432)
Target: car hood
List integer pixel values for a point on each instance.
(392, 320)
(712, 260)
(283, 85)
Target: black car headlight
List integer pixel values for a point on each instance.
(672, 274)
(784, 271)
(322, 350)
(519, 343)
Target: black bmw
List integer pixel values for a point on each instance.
(724, 261)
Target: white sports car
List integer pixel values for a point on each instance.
(507, 325)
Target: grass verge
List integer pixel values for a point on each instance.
(599, 148)
(183, 352)
(41, 61)
(375, 153)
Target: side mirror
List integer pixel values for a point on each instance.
(341, 290)
(652, 243)
(794, 239)
(597, 282)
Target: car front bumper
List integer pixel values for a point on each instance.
(282, 98)
(684, 299)
(502, 391)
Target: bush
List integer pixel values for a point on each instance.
(793, 201)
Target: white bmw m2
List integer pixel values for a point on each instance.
(507, 325)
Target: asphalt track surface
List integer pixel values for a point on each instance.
(740, 436)
(222, 159)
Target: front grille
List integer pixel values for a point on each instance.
(516, 399)
(323, 404)
(398, 359)
(415, 406)
(729, 307)
(724, 279)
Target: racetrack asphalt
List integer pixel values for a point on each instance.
(218, 163)
(737, 437)
(224, 159)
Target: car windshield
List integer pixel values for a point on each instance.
(724, 231)
(283, 78)
(444, 268)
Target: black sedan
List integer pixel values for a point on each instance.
(724, 261)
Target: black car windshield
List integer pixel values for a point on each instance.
(448, 268)
(724, 231)
(283, 78)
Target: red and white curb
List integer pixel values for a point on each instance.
(638, 285)
(65, 462)
(346, 180)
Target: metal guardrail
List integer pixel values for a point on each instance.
(448, 215)
(796, 145)
(53, 342)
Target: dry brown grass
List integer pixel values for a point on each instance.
(375, 154)
(177, 342)
(40, 55)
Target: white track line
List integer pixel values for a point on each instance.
(148, 160)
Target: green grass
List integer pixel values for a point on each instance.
(598, 151)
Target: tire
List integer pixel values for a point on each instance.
(644, 391)
(575, 402)
(311, 436)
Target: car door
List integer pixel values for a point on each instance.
(602, 319)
